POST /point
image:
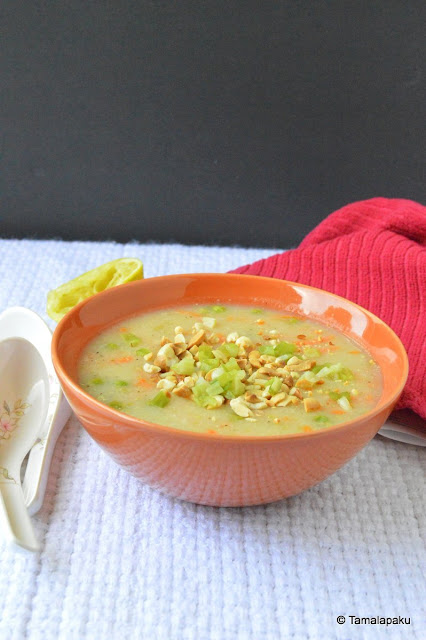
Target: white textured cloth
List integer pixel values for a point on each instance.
(122, 561)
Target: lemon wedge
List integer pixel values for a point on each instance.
(110, 274)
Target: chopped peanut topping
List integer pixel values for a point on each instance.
(251, 397)
(254, 358)
(240, 408)
(166, 384)
(304, 384)
(243, 341)
(311, 404)
(178, 349)
(279, 397)
(303, 365)
(213, 369)
(151, 368)
(197, 339)
(183, 391)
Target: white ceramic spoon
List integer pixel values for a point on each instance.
(24, 393)
(19, 322)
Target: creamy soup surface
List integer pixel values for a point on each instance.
(230, 370)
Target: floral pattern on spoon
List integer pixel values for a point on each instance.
(9, 421)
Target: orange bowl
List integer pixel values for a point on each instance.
(215, 469)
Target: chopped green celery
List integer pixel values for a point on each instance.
(231, 365)
(322, 419)
(282, 348)
(96, 381)
(334, 395)
(131, 339)
(311, 352)
(274, 385)
(345, 374)
(344, 403)
(257, 311)
(267, 350)
(220, 355)
(228, 376)
(335, 372)
(201, 395)
(209, 322)
(236, 387)
(200, 386)
(216, 308)
(142, 351)
(224, 378)
(210, 363)
(121, 383)
(232, 381)
(218, 372)
(229, 395)
(214, 389)
(230, 349)
(116, 405)
(111, 346)
(204, 352)
(160, 400)
(318, 367)
(332, 371)
(184, 367)
(309, 376)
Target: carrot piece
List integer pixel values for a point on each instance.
(355, 352)
(123, 329)
(307, 429)
(212, 431)
(338, 412)
(190, 313)
(122, 360)
(260, 321)
(143, 382)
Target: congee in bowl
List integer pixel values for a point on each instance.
(231, 370)
(228, 389)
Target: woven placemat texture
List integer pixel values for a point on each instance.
(122, 561)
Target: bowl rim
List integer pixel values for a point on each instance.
(159, 429)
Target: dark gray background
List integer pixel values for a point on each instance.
(206, 122)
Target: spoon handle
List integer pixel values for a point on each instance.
(37, 471)
(15, 522)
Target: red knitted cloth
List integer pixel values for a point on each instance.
(372, 252)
